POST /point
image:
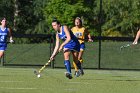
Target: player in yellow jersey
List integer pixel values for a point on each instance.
(80, 32)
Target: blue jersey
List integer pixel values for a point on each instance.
(73, 44)
(3, 36)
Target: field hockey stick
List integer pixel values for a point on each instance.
(42, 68)
(125, 46)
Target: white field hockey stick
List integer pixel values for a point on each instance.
(125, 46)
(42, 68)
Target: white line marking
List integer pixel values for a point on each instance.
(71, 89)
(78, 83)
(10, 81)
(18, 88)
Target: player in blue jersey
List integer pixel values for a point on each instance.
(70, 45)
(4, 32)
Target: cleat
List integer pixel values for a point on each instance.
(81, 72)
(77, 73)
(68, 75)
(36, 73)
(74, 73)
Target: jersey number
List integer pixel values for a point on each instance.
(2, 38)
(78, 34)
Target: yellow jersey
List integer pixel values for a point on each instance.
(79, 33)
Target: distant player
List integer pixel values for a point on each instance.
(80, 32)
(70, 45)
(4, 32)
(136, 38)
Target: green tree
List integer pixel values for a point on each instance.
(29, 17)
(6, 10)
(121, 16)
(65, 11)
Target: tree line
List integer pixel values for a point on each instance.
(119, 17)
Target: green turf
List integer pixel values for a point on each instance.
(22, 80)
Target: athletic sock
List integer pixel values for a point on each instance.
(67, 65)
(75, 66)
(81, 61)
(79, 65)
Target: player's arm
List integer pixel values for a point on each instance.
(66, 30)
(56, 47)
(72, 29)
(136, 38)
(10, 36)
(89, 36)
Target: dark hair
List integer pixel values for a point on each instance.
(3, 18)
(55, 20)
(79, 20)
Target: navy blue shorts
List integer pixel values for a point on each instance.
(82, 46)
(75, 46)
(3, 48)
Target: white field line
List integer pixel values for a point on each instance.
(10, 81)
(18, 88)
(69, 89)
(86, 83)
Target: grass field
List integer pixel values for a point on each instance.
(23, 80)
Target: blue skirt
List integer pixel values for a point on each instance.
(72, 46)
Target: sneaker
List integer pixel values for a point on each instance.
(68, 75)
(77, 73)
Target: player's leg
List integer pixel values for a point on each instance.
(74, 63)
(81, 60)
(1, 53)
(80, 56)
(137, 37)
(75, 67)
(82, 47)
(2, 49)
(67, 64)
(77, 62)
